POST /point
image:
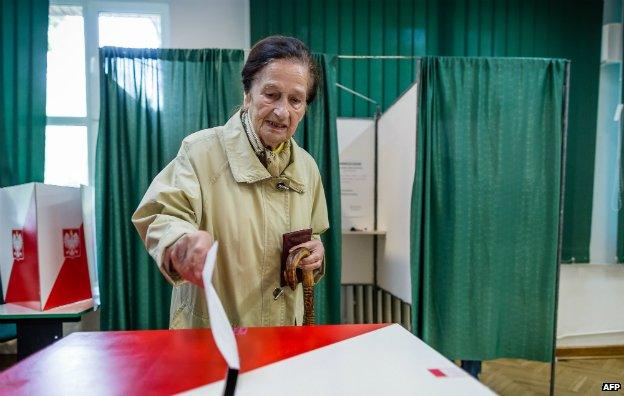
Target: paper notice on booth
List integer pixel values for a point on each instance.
(219, 323)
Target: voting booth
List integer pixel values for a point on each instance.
(44, 255)
(376, 201)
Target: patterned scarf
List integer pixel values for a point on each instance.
(275, 161)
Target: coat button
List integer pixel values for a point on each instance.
(277, 293)
(282, 186)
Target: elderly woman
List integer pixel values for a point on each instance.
(245, 184)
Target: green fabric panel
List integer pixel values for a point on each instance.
(485, 206)
(569, 29)
(23, 51)
(317, 135)
(150, 100)
(354, 27)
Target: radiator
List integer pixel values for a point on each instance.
(362, 304)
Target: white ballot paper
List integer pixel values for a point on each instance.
(219, 323)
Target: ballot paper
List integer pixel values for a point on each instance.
(219, 323)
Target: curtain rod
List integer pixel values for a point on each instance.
(356, 93)
(376, 57)
(398, 57)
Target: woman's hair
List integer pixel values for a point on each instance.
(280, 47)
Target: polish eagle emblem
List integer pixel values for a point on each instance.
(18, 245)
(71, 243)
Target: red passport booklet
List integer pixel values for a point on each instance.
(289, 240)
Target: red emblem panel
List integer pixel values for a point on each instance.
(71, 242)
(17, 237)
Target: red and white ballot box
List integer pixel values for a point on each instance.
(44, 260)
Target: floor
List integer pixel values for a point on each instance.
(573, 377)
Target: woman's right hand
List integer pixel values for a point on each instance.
(188, 255)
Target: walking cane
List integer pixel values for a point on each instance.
(290, 275)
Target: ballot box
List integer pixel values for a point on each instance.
(365, 359)
(43, 254)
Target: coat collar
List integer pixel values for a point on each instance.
(245, 164)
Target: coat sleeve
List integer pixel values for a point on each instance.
(171, 208)
(320, 222)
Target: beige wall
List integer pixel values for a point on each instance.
(591, 305)
(209, 24)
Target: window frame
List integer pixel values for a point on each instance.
(91, 10)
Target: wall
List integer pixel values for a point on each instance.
(209, 24)
(607, 192)
(591, 305)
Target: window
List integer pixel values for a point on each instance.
(66, 92)
(66, 105)
(129, 30)
(76, 29)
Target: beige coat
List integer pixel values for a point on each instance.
(217, 183)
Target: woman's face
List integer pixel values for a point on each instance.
(276, 100)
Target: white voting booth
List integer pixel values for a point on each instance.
(396, 155)
(47, 246)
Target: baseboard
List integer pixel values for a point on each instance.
(593, 352)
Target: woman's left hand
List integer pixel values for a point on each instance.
(317, 252)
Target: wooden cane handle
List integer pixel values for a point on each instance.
(292, 262)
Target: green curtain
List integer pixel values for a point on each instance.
(23, 49)
(485, 206)
(150, 100)
(318, 135)
(569, 29)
